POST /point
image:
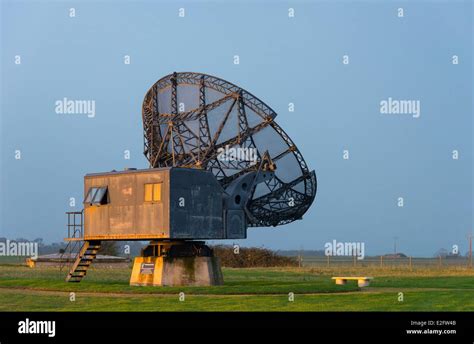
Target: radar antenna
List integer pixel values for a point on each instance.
(200, 121)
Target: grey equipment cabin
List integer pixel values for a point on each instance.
(161, 203)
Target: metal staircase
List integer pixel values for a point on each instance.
(84, 259)
(74, 238)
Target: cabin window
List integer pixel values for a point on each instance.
(153, 192)
(90, 195)
(96, 195)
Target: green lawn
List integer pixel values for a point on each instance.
(42, 289)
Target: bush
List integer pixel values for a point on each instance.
(251, 257)
(108, 248)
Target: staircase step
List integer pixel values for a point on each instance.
(86, 259)
(76, 272)
(83, 260)
(77, 276)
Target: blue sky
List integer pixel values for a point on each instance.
(282, 60)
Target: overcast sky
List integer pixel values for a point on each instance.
(283, 60)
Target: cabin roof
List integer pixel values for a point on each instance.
(128, 171)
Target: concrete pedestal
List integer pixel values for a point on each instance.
(176, 271)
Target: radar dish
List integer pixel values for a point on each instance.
(199, 121)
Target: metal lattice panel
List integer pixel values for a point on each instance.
(200, 121)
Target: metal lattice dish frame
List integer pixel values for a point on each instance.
(190, 118)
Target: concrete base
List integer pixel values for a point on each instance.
(176, 271)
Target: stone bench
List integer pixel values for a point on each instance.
(361, 281)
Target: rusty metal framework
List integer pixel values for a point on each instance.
(192, 119)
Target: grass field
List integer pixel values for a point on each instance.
(44, 289)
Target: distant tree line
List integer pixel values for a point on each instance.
(255, 255)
